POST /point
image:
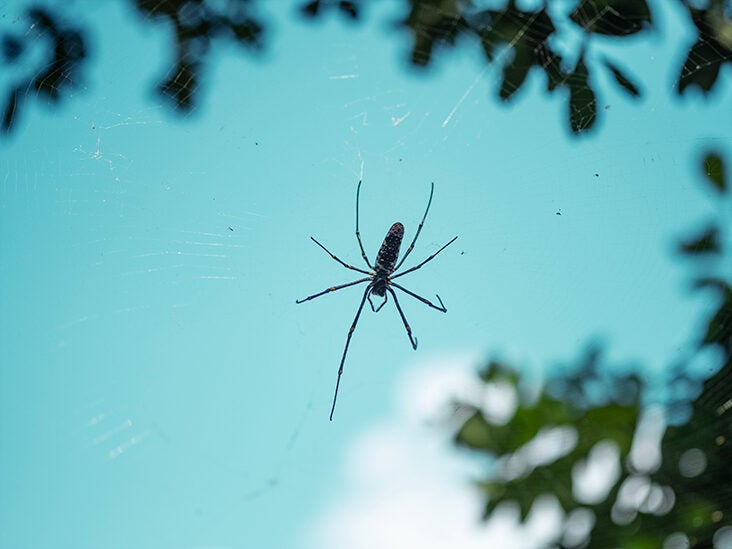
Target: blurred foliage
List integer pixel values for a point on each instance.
(688, 492)
(518, 41)
(197, 23)
(60, 67)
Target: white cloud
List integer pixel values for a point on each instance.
(405, 486)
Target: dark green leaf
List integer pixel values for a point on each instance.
(496, 371)
(11, 106)
(349, 8)
(311, 8)
(706, 243)
(622, 79)
(514, 75)
(433, 23)
(715, 172)
(582, 103)
(475, 433)
(12, 48)
(701, 67)
(719, 329)
(612, 17)
(706, 56)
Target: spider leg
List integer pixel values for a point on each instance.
(427, 302)
(332, 289)
(346, 265)
(345, 350)
(430, 258)
(377, 309)
(413, 340)
(419, 229)
(358, 234)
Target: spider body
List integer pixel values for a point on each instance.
(380, 278)
(386, 258)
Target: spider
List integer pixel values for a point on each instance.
(380, 278)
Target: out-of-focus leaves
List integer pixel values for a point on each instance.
(622, 79)
(714, 171)
(527, 38)
(523, 475)
(696, 458)
(197, 23)
(475, 433)
(433, 22)
(686, 496)
(551, 63)
(496, 371)
(708, 282)
(582, 103)
(158, 8)
(310, 9)
(526, 33)
(59, 69)
(688, 492)
(612, 17)
(314, 8)
(11, 105)
(701, 67)
(12, 47)
(182, 85)
(526, 489)
(349, 8)
(719, 328)
(712, 49)
(706, 243)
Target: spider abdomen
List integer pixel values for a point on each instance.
(389, 251)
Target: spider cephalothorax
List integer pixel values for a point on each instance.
(381, 278)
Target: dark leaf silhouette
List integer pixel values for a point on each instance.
(714, 170)
(701, 67)
(527, 38)
(622, 79)
(58, 70)
(432, 23)
(197, 24)
(710, 51)
(582, 103)
(349, 8)
(475, 433)
(12, 47)
(310, 9)
(11, 106)
(182, 85)
(526, 33)
(612, 17)
(719, 328)
(686, 493)
(706, 243)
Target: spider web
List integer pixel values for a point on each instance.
(152, 250)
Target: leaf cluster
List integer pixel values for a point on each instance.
(519, 41)
(522, 41)
(689, 492)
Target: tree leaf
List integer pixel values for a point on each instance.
(475, 433)
(719, 328)
(582, 103)
(715, 172)
(622, 79)
(612, 17)
(706, 243)
(701, 67)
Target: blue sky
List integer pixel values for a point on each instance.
(160, 387)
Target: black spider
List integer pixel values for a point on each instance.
(381, 278)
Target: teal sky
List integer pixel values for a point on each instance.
(159, 387)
